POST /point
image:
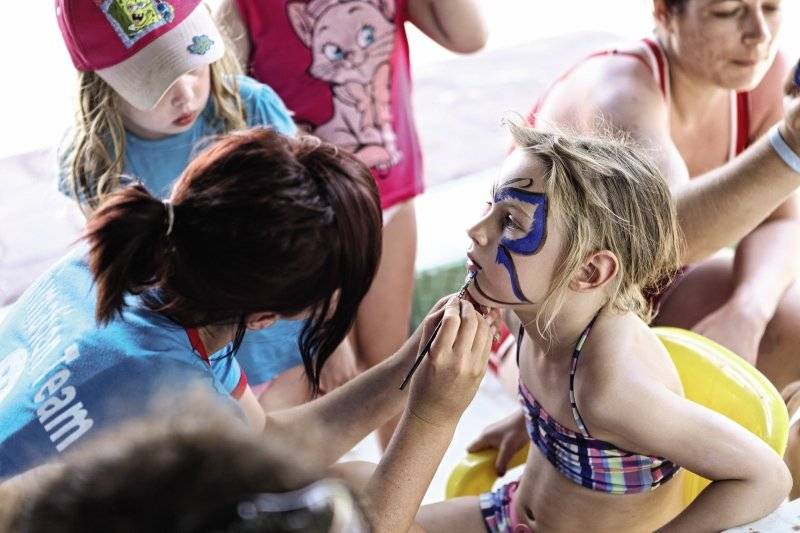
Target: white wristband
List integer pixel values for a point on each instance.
(783, 150)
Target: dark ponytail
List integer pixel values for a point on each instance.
(262, 222)
(128, 242)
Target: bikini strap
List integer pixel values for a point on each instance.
(572, 368)
(520, 334)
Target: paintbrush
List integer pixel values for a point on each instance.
(427, 347)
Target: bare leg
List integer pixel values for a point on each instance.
(460, 514)
(286, 390)
(383, 320)
(708, 286)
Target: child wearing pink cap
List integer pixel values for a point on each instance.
(342, 67)
(155, 81)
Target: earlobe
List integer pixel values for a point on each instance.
(256, 321)
(599, 268)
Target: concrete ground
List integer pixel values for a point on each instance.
(459, 103)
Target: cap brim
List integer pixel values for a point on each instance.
(143, 78)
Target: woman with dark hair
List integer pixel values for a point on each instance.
(258, 227)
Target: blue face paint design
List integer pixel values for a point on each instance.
(528, 244)
(504, 259)
(533, 240)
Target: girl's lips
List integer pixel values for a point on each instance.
(185, 119)
(472, 265)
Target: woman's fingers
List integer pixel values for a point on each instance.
(791, 89)
(433, 318)
(791, 86)
(483, 341)
(467, 329)
(451, 322)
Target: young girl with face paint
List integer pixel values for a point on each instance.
(575, 230)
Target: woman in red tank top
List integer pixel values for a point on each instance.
(699, 93)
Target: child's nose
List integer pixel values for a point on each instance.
(478, 233)
(182, 91)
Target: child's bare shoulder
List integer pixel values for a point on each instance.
(622, 353)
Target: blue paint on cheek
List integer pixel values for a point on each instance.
(504, 259)
(531, 242)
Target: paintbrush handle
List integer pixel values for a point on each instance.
(425, 350)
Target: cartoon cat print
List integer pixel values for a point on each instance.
(351, 43)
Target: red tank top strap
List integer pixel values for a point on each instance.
(742, 121)
(661, 64)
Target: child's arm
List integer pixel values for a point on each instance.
(230, 22)
(455, 24)
(749, 480)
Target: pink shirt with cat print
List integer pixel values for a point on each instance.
(342, 67)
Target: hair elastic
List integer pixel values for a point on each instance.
(170, 215)
(789, 156)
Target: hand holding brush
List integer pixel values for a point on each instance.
(427, 346)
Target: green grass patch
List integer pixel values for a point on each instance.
(430, 285)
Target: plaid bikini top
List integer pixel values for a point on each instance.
(590, 462)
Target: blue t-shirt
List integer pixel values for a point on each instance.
(267, 352)
(158, 163)
(63, 378)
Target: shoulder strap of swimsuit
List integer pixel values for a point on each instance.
(573, 367)
(520, 334)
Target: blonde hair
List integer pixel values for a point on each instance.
(96, 156)
(606, 194)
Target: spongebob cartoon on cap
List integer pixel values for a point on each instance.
(133, 19)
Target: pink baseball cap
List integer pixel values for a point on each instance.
(139, 47)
